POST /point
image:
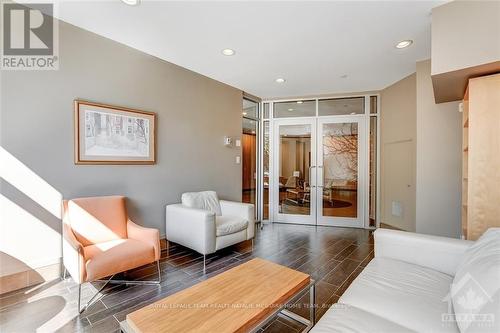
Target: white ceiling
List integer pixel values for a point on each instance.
(310, 44)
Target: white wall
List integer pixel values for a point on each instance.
(439, 166)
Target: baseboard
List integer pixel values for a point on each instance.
(29, 278)
(388, 226)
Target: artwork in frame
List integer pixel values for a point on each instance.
(107, 134)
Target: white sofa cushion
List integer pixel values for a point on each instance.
(229, 224)
(409, 295)
(476, 286)
(343, 318)
(206, 200)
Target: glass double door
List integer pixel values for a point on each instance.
(319, 171)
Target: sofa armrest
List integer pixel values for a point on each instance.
(73, 258)
(191, 227)
(243, 210)
(439, 253)
(149, 236)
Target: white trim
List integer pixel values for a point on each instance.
(360, 220)
(274, 185)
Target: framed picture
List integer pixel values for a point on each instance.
(106, 134)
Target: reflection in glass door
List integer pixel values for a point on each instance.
(294, 171)
(341, 160)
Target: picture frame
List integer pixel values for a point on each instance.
(109, 134)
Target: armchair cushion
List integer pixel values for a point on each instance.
(116, 256)
(99, 219)
(206, 200)
(229, 224)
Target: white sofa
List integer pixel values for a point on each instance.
(421, 283)
(206, 224)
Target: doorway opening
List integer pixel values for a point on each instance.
(320, 161)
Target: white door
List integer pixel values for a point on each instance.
(294, 171)
(341, 168)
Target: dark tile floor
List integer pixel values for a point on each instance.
(332, 256)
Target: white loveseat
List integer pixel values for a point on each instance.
(421, 283)
(206, 224)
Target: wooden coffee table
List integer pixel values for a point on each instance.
(241, 299)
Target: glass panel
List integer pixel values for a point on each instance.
(266, 111)
(340, 169)
(295, 109)
(250, 109)
(373, 104)
(266, 171)
(294, 163)
(249, 160)
(341, 106)
(373, 171)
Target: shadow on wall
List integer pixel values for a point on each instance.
(30, 218)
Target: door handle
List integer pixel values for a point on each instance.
(310, 179)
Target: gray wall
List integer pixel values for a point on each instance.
(439, 160)
(194, 114)
(397, 160)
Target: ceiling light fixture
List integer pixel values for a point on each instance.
(280, 80)
(228, 52)
(299, 102)
(131, 2)
(404, 43)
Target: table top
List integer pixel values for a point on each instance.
(234, 301)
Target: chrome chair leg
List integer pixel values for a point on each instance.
(204, 263)
(80, 310)
(110, 280)
(159, 272)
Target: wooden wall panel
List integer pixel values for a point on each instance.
(248, 148)
(483, 193)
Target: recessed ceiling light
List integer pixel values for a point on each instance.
(290, 109)
(404, 43)
(280, 80)
(299, 102)
(228, 52)
(244, 113)
(131, 2)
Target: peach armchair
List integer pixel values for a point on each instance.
(99, 240)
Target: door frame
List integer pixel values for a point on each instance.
(274, 188)
(269, 117)
(359, 221)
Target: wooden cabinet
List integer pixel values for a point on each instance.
(481, 156)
